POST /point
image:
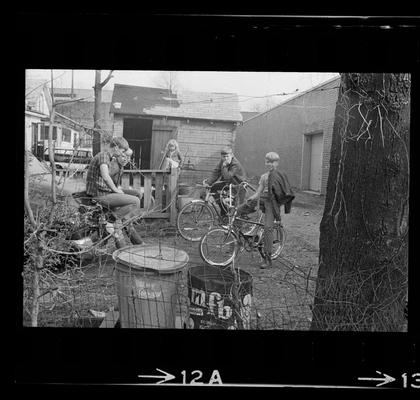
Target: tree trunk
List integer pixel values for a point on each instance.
(363, 259)
(97, 132)
(96, 144)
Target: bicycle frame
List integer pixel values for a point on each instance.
(236, 230)
(210, 201)
(229, 189)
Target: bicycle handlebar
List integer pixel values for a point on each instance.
(243, 183)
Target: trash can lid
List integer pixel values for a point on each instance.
(162, 259)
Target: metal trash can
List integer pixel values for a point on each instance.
(148, 278)
(213, 303)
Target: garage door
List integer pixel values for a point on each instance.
(316, 162)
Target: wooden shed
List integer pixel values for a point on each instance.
(202, 123)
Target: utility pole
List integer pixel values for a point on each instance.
(50, 142)
(72, 83)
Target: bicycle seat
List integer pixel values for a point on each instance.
(88, 201)
(84, 199)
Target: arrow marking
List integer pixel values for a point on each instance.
(166, 377)
(384, 380)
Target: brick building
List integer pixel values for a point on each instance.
(300, 131)
(202, 123)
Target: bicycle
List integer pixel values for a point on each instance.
(221, 245)
(96, 224)
(199, 216)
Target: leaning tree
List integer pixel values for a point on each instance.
(363, 260)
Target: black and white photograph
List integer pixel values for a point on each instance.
(216, 200)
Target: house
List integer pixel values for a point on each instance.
(202, 123)
(81, 112)
(37, 110)
(300, 131)
(38, 105)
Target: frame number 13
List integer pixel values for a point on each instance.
(411, 381)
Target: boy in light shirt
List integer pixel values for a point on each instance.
(273, 191)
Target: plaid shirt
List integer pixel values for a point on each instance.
(95, 185)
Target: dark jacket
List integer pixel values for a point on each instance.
(233, 173)
(280, 192)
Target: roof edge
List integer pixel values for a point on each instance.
(232, 121)
(296, 96)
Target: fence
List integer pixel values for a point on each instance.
(158, 189)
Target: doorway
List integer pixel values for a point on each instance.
(138, 133)
(312, 161)
(315, 176)
(34, 138)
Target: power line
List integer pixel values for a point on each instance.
(234, 96)
(42, 84)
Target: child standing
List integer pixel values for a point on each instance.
(273, 190)
(172, 157)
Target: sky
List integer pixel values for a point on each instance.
(255, 89)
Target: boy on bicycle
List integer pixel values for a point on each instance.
(228, 170)
(273, 191)
(101, 186)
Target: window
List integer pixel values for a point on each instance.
(66, 135)
(44, 132)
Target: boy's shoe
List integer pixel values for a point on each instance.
(118, 235)
(134, 236)
(267, 263)
(120, 242)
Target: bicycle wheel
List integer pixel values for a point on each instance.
(279, 238)
(194, 220)
(218, 247)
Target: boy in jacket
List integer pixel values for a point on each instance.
(228, 170)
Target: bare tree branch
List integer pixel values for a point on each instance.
(102, 84)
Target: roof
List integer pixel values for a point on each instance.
(139, 100)
(63, 94)
(38, 114)
(35, 167)
(338, 78)
(328, 81)
(249, 114)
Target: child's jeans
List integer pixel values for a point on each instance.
(268, 226)
(267, 208)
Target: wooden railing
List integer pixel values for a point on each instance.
(158, 189)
